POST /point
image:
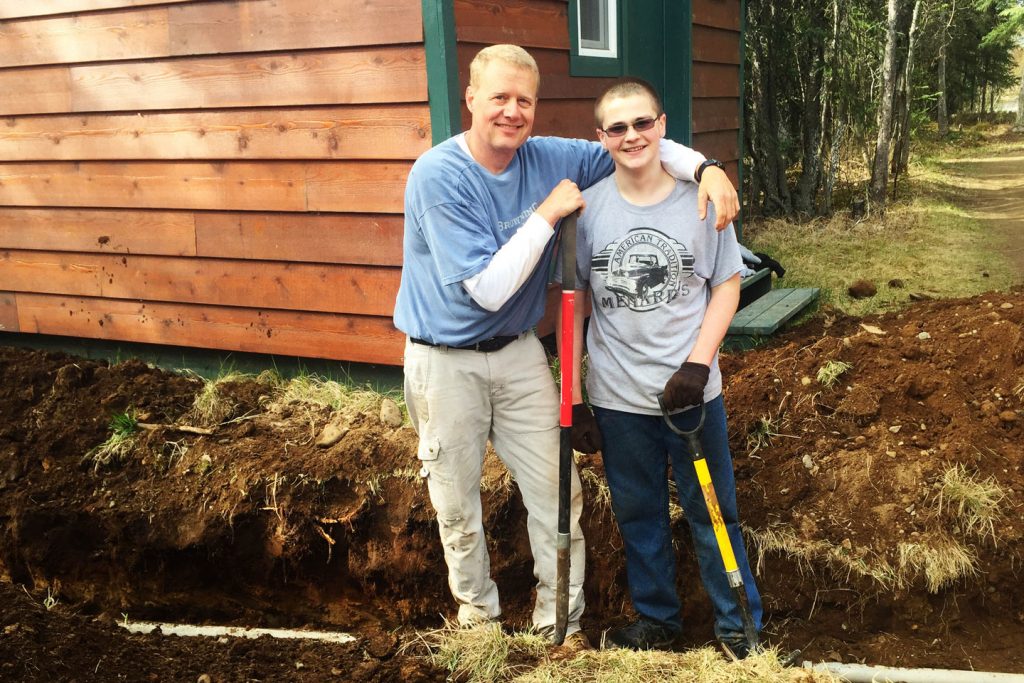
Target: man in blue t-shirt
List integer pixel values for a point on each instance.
(480, 211)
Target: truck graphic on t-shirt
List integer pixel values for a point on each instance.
(639, 275)
(642, 270)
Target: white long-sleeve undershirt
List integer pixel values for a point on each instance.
(512, 264)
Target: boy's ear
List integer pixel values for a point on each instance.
(664, 124)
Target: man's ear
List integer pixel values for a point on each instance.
(664, 124)
(470, 94)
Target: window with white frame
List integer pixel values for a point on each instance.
(597, 28)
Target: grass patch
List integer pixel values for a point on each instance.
(810, 554)
(704, 665)
(974, 504)
(210, 406)
(321, 391)
(123, 429)
(596, 487)
(831, 371)
(941, 560)
(487, 654)
(929, 244)
(936, 560)
(484, 653)
(764, 431)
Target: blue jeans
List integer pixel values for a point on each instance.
(637, 451)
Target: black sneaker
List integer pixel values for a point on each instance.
(642, 634)
(738, 649)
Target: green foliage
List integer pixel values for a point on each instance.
(813, 86)
(831, 371)
(123, 428)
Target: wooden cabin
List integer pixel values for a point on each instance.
(228, 174)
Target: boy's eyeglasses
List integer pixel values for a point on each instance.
(619, 129)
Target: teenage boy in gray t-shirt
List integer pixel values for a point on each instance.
(664, 287)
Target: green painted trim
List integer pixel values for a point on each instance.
(738, 223)
(442, 68)
(677, 88)
(593, 66)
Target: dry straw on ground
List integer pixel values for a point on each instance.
(486, 653)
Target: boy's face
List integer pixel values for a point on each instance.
(633, 149)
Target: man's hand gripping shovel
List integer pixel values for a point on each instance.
(565, 355)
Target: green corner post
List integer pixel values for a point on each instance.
(442, 68)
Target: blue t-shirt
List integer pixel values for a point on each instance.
(458, 215)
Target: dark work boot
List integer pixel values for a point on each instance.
(641, 634)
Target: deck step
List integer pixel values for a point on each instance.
(753, 287)
(769, 312)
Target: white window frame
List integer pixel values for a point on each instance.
(611, 27)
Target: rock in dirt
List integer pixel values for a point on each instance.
(331, 434)
(862, 289)
(1008, 416)
(390, 413)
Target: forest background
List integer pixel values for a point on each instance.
(838, 93)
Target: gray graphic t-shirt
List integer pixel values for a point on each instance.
(651, 269)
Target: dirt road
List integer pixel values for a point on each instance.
(992, 190)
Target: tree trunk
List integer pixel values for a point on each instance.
(766, 122)
(812, 67)
(880, 170)
(908, 94)
(1019, 127)
(943, 116)
(943, 113)
(829, 116)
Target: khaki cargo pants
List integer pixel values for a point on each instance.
(457, 401)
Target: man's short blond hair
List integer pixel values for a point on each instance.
(510, 54)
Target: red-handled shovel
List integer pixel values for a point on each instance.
(565, 357)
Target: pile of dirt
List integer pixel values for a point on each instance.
(852, 492)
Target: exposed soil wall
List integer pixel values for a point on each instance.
(864, 554)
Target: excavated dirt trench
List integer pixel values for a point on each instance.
(863, 555)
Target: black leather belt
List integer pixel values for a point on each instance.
(486, 346)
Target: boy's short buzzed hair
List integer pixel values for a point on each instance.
(510, 54)
(625, 87)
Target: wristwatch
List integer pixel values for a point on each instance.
(707, 162)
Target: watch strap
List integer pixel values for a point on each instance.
(707, 162)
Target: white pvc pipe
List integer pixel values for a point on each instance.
(234, 631)
(865, 673)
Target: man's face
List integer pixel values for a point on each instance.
(503, 104)
(634, 149)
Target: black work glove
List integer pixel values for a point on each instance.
(686, 387)
(586, 438)
(770, 263)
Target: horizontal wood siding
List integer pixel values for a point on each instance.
(200, 28)
(372, 131)
(8, 313)
(256, 330)
(14, 9)
(222, 174)
(716, 81)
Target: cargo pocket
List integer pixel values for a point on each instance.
(429, 450)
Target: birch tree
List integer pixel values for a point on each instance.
(895, 28)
